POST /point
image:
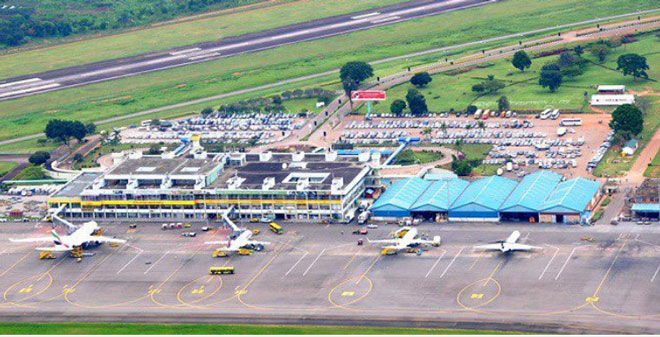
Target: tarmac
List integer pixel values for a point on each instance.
(597, 279)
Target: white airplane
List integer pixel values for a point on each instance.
(508, 245)
(408, 240)
(79, 237)
(242, 239)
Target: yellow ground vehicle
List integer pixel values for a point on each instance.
(254, 220)
(276, 228)
(46, 256)
(388, 251)
(113, 244)
(255, 232)
(219, 253)
(244, 251)
(187, 225)
(221, 270)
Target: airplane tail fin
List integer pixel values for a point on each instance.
(56, 239)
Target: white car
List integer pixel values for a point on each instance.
(372, 226)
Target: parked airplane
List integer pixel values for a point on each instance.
(508, 245)
(241, 238)
(80, 237)
(405, 238)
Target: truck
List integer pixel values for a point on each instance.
(561, 131)
(509, 166)
(363, 217)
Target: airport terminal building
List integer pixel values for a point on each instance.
(543, 196)
(305, 186)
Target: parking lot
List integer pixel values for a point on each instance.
(526, 140)
(597, 279)
(261, 128)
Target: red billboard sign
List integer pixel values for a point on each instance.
(368, 95)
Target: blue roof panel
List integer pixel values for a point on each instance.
(574, 194)
(487, 192)
(440, 195)
(531, 192)
(402, 193)
(648, 208)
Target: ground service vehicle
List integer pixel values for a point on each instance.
(206, 228)
(187, 225)
(244, 252)
(276, 228)
(255, 232)
(221, 270)
(571, 122)
(363, 217)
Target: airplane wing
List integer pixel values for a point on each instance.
(216, 242)
(106, 239)
(396, 247)
(39, 239)
(58, 248)
(387, 241)
(492, 246)
(436, 241)
(518, 246)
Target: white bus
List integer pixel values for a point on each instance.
(145, 122)
(571, 122)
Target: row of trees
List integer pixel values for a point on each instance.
(272, 104)
(63, 130)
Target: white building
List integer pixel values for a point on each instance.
(612, 100)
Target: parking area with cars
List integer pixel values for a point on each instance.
(530, 142)
(598, 278)
(258, 128)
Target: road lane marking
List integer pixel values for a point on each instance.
(153, 264)
(295, 264)
(313, 262)
(490, 277)
(476, 260)
(452, 262)
(368, 269)
(565, 263)
(435, 264)
(352, 258)
(600, 285)
(549, 263)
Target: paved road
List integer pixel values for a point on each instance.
(336, 25)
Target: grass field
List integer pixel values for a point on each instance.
(410, 157)
(6, 166)
(180, 34)
(524, 92)
(31, 172)
(218, 329)
(121, 97)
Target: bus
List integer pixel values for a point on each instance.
(571, 122)
(276, 228)
(145, 122)
(221, 270)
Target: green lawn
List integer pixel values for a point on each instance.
(125, 96)
(31, 172)
(524, 92)
(160, 37)
(6, 166)
(410, 157)
(219, 329)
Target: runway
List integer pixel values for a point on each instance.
(129, 66)
(317, 274)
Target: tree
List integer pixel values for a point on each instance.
(421, 79)
(461, 167)
(154, 149)
(78, 157)
(55, 130)
(277, 99)
(90, 127)
(427, 131)
(416, 102)
(207, 111)
(77, 130)
(627, 118)
(352, 74)
(521, 60)
(488, 86)
(503, 103)
(578, 50)
(397, 106)
(39, 157)
(600, 51)
(551, 77)
(633, 64)
(471, 109)
(565, 60)
(481, 125)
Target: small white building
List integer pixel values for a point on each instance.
(611, 89)
(629, 148)
(612, 100)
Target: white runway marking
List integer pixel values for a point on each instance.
(364, 15)
(29, 80)
(655, 274)
(153, 264)
(23, 91)
(313, 262)
(185, 51)
(549, 262)
(295, 264)
(198, 57)
(452, 262)
(129, 262)
(386, 19)
(565, 263)
(435, 264)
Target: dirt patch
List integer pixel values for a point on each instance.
(116, 98)
(238, 73)
(50, 112)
